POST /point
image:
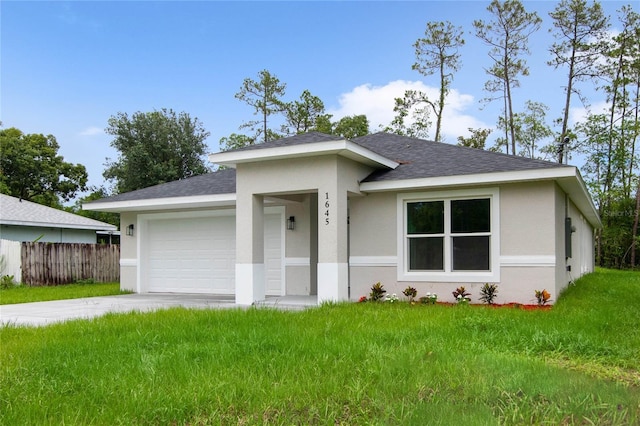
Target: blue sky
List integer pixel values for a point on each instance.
(66, 67)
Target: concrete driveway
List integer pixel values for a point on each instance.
(43, 313)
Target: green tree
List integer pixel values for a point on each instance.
(577, 28)
(155, 147)
(31, 169)
(606, 182)
(302, 115)
(436, 53)
(531, 128)
(611, 140)
(415, 105)
(351, 126)
(478, 138)
(265, 96)
(622, 71)
(96, 194)
(507, 35)
(348, 127)
(235, 141)
(324, 124)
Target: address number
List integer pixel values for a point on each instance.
(326, 205)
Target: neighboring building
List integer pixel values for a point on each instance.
(22, 220)
(315, 214)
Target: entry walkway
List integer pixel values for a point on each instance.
(43, 313)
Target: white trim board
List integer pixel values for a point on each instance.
(373, 261)
(528, 261)
(129, 262)
(189, 202)
(343, 148)
(471, 179)
(297, 261)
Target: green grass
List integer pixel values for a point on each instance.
(338, 364)
(25, 294)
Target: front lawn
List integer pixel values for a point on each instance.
(25, 294)
(339, 364)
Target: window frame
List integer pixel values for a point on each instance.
(448, 274)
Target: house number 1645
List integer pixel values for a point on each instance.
(326, 205)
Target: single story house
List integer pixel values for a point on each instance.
(22, 220)
(315, 214)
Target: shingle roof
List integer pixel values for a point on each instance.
(219, 182)
(14, 211)
(419, 158)
(303, 138)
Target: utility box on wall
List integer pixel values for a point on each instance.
(568, 230)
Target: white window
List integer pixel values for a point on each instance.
(452, 236)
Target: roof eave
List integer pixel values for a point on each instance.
(189, 202)
(568, 178)
(105, 227)
(577, 188)
(343, 148)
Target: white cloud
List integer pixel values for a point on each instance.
(377, 102)
(579, 114)
(92, 131)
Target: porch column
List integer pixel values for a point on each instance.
(250, 278)
(333, 276)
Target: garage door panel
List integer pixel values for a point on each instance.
(197, 255)
(182, 253)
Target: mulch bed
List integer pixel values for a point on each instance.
(512, 305)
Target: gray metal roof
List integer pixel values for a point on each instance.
(419, 158)
(14, 211)
(219, 182)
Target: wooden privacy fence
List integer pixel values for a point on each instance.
(63, 263)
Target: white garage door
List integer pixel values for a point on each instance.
(197, 255)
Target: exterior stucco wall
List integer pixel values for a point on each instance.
(582, 259)
(560, 269)
(528, 245)
(128, 252)
(298, 239)
(329, 178)
(298, 247)
(528, 241)
(373, 225)
(363, 277)
(48, 235)
(531, 232)
(527, 225)
(373, 243)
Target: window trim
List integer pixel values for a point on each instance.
(448, 275)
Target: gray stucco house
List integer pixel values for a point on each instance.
(315, 214)
(22, 220)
